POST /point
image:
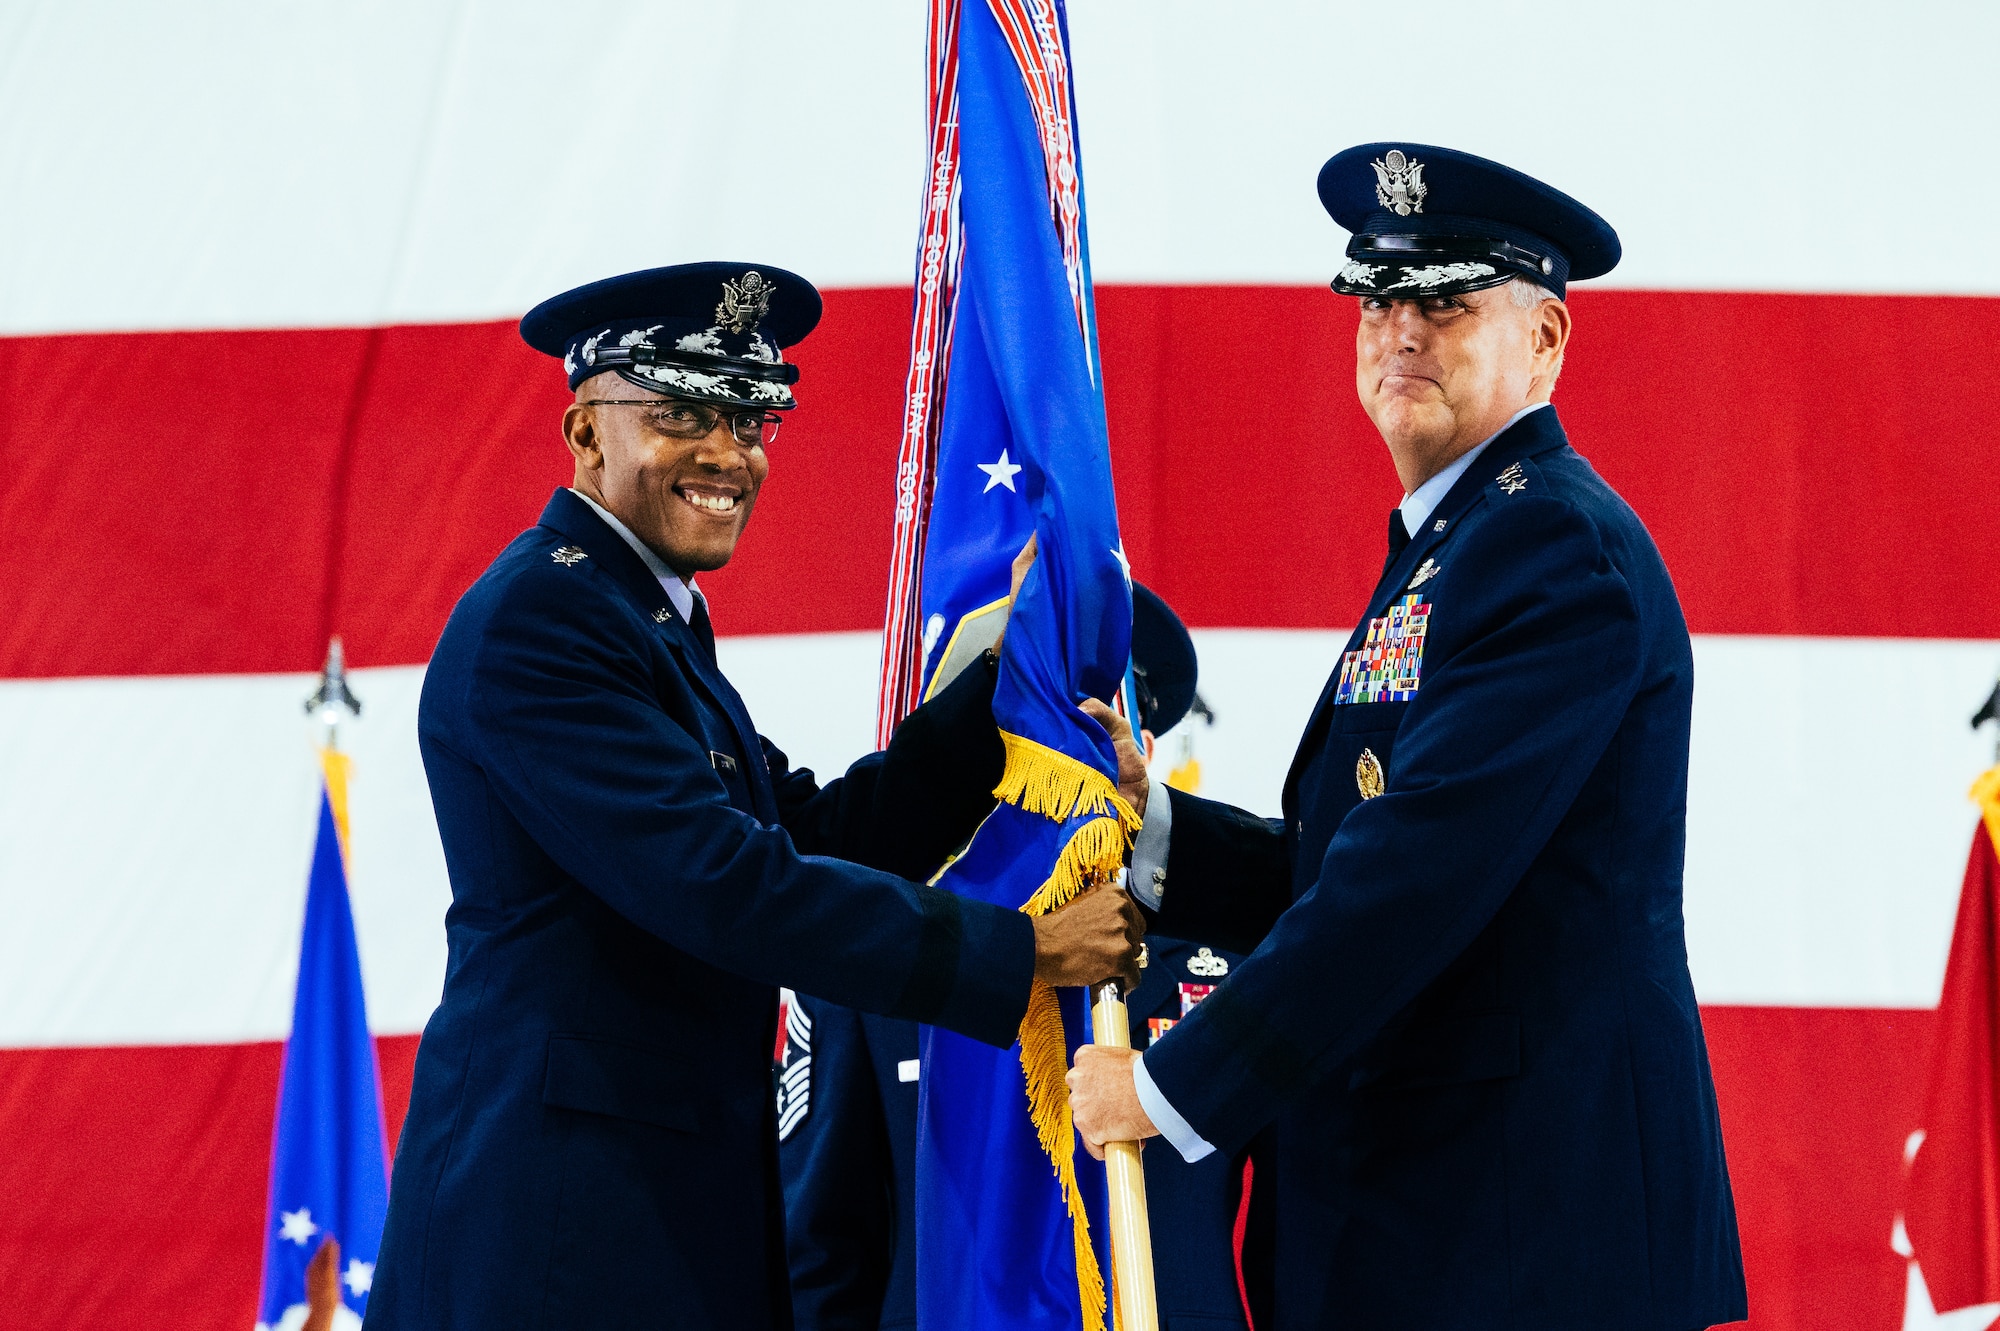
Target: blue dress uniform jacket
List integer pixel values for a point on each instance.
(849, 1167)
(591, 1141)
(1467, 1041)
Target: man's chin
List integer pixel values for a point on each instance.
(696, 557)
(1403, 421)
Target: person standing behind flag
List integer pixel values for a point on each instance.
(1465, 1046)
(591, 1140)
(847, 1097)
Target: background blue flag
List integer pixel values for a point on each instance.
(1010, 1211)
(328, 1170)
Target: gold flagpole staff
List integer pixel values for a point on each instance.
(1131, 1234)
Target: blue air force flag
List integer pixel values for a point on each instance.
(328, 1173)
(1011, 1227)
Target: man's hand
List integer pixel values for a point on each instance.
(1094, 938)
(1133, 783)
(1022, 563)
(323, 1286)
(1103, 1102)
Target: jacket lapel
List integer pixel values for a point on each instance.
(1537, 432)
(573, 519)
(694, 660)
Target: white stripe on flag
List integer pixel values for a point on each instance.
(154, 846)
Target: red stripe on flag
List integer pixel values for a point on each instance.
(205, 502)
(132, 1183)
(132, 1180)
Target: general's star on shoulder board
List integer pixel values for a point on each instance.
(569, 556)
(1511, 480)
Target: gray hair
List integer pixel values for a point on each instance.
(1528, 294)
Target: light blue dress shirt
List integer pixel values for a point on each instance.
(682, 594)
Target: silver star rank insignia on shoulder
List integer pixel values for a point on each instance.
(1427, 571)
(569, 556)
(1511, 480)
(663, 616)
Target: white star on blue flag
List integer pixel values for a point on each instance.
(1002, 472)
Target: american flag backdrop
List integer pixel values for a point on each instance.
(260, 384)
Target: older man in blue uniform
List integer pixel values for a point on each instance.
(1466, 1042)
(847, 1101)
(591, 1140)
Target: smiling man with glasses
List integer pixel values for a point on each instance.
(592, 1139)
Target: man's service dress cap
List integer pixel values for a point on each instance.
(1163, 661)
(1431, 221)
(715, 332)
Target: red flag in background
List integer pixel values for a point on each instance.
(1952, 1210)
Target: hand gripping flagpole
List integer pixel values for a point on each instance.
(1131, 1232)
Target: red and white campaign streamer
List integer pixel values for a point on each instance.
(939, 243)
(263, 386)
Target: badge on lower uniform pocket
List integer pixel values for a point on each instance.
(1368, 774)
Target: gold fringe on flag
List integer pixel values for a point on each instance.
(1040, 780)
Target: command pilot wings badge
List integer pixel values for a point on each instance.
(1399, 183)
(1206, 964)
(1425, 573)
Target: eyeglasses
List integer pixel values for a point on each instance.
(690, 420)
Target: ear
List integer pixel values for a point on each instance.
(580, 433)
(1552, 324)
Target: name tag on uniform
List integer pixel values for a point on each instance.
(1389, 663)
(723, 762)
